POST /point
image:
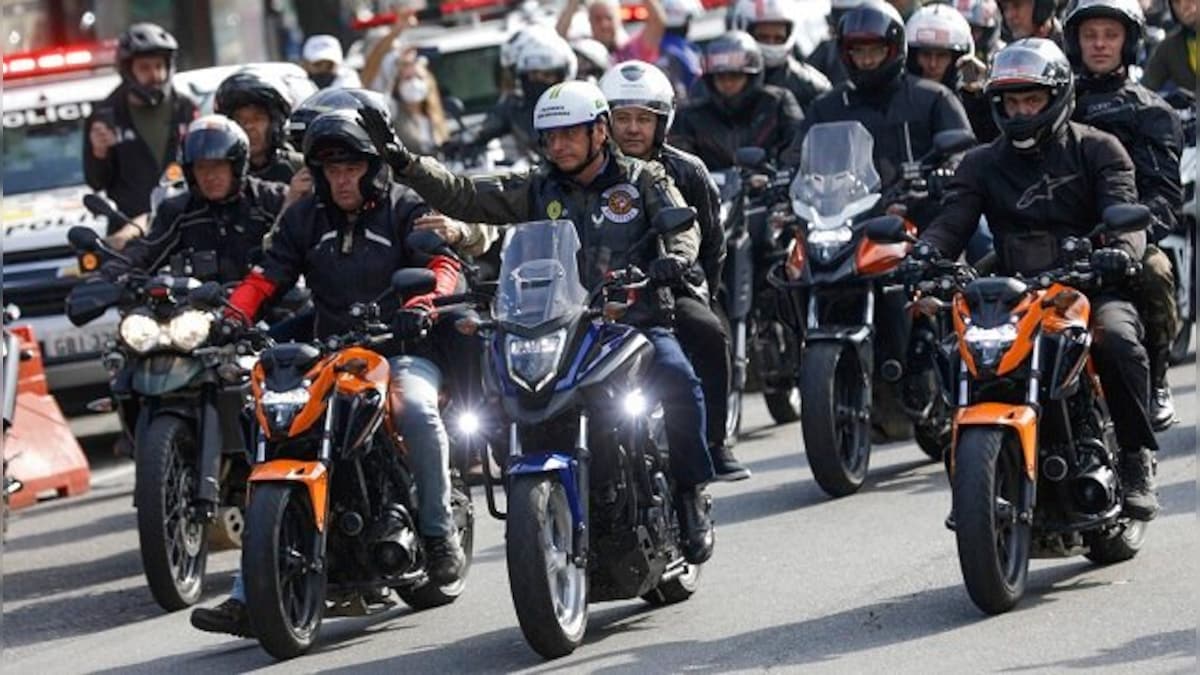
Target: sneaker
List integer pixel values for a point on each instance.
(229, 617)
(693, 506)
(1137, 483)
(446, 559)
(727, 467)
(1162, 409)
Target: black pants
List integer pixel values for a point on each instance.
(1124, 369)
(706, 342)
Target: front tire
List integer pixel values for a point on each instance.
(993, 544)
(285, 595)
(549, 590)
(174, 545)
(837, 433)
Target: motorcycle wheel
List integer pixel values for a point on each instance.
(1179, 348)
(285, 596)
(993, 546)
(934, 434)
(837, 441)
(1106, 550)
(428, 596)
(549, 590)
(174, 546)
(676, 590)
(784, 406)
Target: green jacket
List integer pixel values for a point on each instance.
(1170, 64)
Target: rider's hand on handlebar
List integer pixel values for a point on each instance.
(668, 269)
(411, 323)
(1112, 262)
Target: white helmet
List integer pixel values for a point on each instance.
(591, 53)
(545, 49)
(680, 12)
(939, 27)
(637, 84)
(569, 104)
(746, 13)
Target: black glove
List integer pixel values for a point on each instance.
(411, 323)
(1112, 263)
(668, 269)
(384, 139)
(924, 251)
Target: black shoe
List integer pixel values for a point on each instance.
(229, 617)
(727, 467)
(1137, 484)
(693, 506)
(446, 560)
(1162, 409)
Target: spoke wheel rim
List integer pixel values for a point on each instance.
(185, 536)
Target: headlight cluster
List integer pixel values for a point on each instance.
(827, 242)
(280, 407)
(990, 343)
(532, 361)
(185, 331)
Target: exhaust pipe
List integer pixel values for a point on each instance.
(395, 545)
(1096, 490)
(891, 371)
(1054, 468)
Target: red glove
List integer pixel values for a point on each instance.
(249, 296)
(446, 271)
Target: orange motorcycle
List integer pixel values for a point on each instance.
(332, 512)
(1033, 464)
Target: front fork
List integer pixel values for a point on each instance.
(208, 495)
(572, 472)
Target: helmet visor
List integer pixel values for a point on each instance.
(1020, 69)
(208, 144)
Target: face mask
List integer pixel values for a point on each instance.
(323, 80)
(414, 90)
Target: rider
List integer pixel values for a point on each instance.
(261, 106)
(679, 58)
(1174, 61)
(740, 110)
(827, 57)
(773, 23)
(1047, 178)
(642, 102)
(612, 200)
(1102, 40)
(346, 240)
(938, 38)
(1031, 18)
(225, 210)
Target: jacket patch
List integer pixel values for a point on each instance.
(554, 210)
(619, 203)
(1043, 189)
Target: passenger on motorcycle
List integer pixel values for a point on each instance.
(1045, 179)
(612, 200)
(1031, 18)
(225, 210)
(1102, 41)
(261, 106)
(983, 18)
(739, 110)
(642, 102)
(346, 240)
(772, 24)
(826, 56)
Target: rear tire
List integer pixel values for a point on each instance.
(993, 545)
(1120, 547)
(676, 590)
(836, 441)
(784, 406)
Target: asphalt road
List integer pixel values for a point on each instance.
(864, 584)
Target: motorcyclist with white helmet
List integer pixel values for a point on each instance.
(643, 107)
(773, 24)
(612, 199)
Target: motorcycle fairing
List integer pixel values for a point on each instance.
(563, 464)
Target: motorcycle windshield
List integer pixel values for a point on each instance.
(837, 179)
(539, 274)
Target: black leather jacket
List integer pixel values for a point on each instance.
(768, 118)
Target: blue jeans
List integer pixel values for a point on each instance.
(674, 382)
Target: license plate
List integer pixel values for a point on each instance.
(78, 341)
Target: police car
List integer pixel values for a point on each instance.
(47, 97)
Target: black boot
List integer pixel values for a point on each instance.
(228, 617)
(446, 559)
(726, 466)
(1137, 483)
(698, 537)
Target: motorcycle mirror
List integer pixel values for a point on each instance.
(953, 141)
(1123, 218)
(88, 301)
(413, 281)
(208, 294)
(668, 221)
(430, 243)
(887, 230)
(102, 206)
(750, 157)
(83, 238)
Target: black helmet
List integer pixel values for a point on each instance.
(337, 136)
(331, 99)
(1043, 11)
(1128, 12)
(1032, 63)
(873, 22)
(216, 137)
(248, 87)
(145, 39)
(734, 52)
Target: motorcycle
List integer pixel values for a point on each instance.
(590, 498)
(179, 399)
(1033, 466)
(332, 510)
(1180, 246)
(841, 285)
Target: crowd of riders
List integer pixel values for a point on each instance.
(324, 179)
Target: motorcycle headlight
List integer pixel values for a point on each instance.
(826, 243)
(189, 329)
(990, 343)
(280, 407)
(532, 361)
(142, 333)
